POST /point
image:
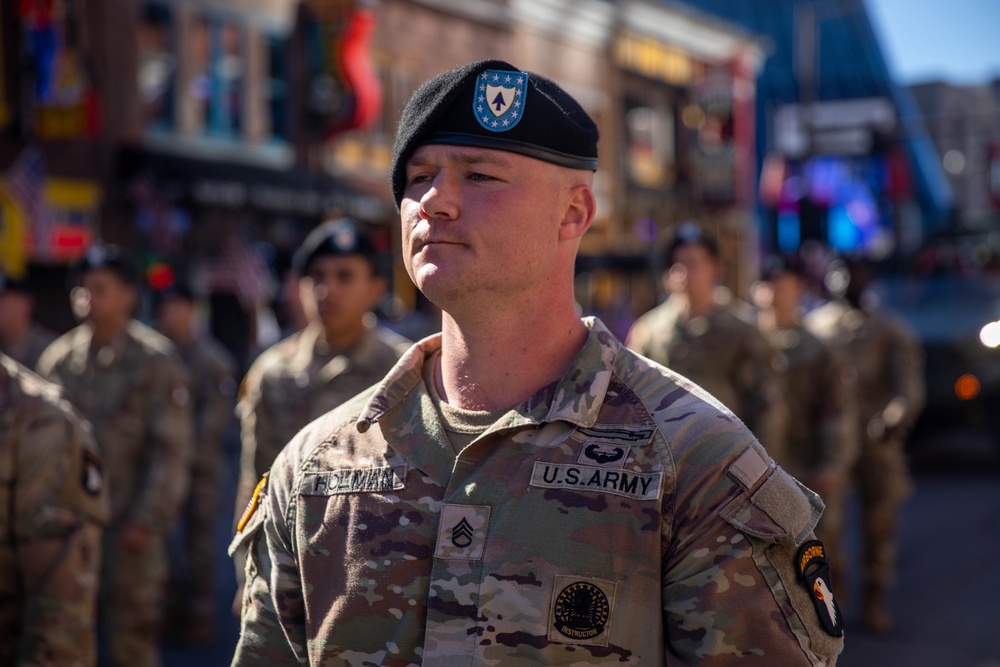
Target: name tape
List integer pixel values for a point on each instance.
(353, 480)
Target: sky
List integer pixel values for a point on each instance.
(957, 41)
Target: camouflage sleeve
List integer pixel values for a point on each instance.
(839, 444)
(219, 404)
(731, 588)
(759, 385)
(272, 627)
(170, 442)
(62, 505)
(906, 374)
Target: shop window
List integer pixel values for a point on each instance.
(650, 146)
(278, 88)
(157, 67)
(219, 66)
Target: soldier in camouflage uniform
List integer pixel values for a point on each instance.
(710, 338)
(521, 489)
(819, 444)
(888, 363)
(339, 353)
(53, 506)
(21, 339)
(128, 382)
(212, 371)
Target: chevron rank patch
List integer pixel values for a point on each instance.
(814, 573)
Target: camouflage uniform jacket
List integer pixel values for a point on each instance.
(212, 371)
(885, 355)
(27, 350)
(620, 515)
(135, 394)
(723, 352)
(53, 504)
(819, 398)
(297, 380)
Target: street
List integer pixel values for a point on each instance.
(945, 603)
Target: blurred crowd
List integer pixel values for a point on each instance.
(112, 446)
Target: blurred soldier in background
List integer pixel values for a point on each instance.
(212, 372)
(128, 382)
(710, 338)
(53, 504)
(20, 338)
(340, 352)
(820, 443)
(888, 364)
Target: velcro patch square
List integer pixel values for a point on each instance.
(462, 531)
(581, 610)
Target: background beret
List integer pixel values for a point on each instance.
(114, 259)
(457, 107)
(11, 284)
(343, 236)
(689, 233)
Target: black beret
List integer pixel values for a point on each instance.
(177, 290)
(689, 233)
(334, 237)
(492, 104)
(112, 258)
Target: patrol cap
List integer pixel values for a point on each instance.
(689, 233)
(112, 258)
(344, 236)
(492, 104)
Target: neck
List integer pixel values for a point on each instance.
(700, 304)
(106, 330)
(786, 318)
(182, 336)
(498, 359)
(342, 338)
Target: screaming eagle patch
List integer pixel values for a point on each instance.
(814, 573)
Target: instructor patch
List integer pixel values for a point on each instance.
(353, 480)
(581, 610)
(814, 573)
(579, 477)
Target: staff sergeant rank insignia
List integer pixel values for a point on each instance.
(499, 100)
(814, 573)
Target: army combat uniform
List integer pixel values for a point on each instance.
(819, 437)
(27, 350)
(297, 380)
(135, 394)
(888, 364)
(53, 505)
(723, 353)
(212, 371)
(619, 515)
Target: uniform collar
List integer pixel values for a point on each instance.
(313, 349)
(576, 397)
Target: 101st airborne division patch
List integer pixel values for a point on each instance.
(814, 573)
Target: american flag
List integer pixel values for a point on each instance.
(25, 181)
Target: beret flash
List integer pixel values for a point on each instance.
(111, 258)
(492, 104)
(343, 236)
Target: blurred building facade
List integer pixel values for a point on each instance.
(202, 132)
(964, 124)
(844, 159)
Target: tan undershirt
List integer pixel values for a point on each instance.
(461, 426)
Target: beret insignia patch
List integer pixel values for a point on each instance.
(500, 98)
(814, 573)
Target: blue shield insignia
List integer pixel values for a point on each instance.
(499, 100)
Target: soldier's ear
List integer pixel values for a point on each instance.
(581, 206)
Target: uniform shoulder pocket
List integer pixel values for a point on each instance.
(774, 506)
